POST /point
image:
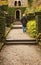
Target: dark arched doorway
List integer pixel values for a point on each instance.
(17, 15)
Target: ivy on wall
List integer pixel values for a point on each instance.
(12, 10)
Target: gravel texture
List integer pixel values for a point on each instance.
(18, 34)
(20, 55)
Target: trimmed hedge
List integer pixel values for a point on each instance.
(4, 7)
(30, 17)
(37, 13)
(1, 13)
(38, 19)
(2, 28)
(9, 19)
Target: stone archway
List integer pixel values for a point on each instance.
(18, 15)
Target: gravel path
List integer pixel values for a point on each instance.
(20, 55)
(17, 34)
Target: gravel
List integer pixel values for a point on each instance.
(20, 55)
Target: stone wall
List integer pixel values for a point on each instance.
(23, 3)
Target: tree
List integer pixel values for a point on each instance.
(30, 2)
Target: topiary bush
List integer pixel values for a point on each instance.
(31, 28)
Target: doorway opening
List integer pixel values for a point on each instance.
(17, 15)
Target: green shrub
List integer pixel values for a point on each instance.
(8, 20)
(2, 28)
(31, 28)
(38, 9)
(4, 7)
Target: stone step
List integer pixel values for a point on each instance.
(17, 23)
(16, 26)
(14, 42)
(18, 34)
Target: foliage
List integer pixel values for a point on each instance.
(8, 20)
(1, 13)
(30, 1)
(31, 28)
(12, 10)
(33, 8)
(27, 10)
(4, 7)
(2, 27)
(38, 9)
(3, 2)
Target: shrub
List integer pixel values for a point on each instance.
(31, 28)
(38, 9)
